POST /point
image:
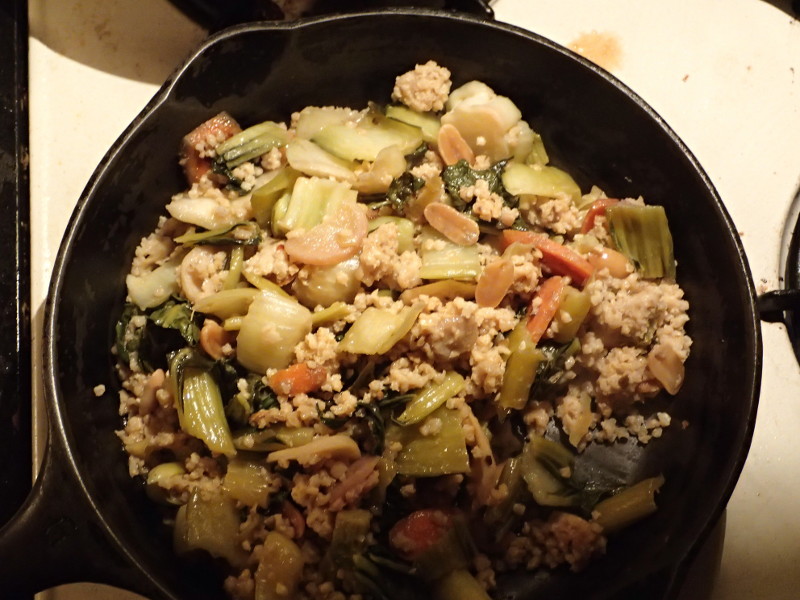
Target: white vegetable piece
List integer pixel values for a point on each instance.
(483, 118)
(308, 158)
(205, 212)
(322, 286)
(272, 327)
(153, 288)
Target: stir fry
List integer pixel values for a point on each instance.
(363, 353)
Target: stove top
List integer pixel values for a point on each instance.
(725, 76)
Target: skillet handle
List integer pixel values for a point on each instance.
(56, 538)
(773, 305)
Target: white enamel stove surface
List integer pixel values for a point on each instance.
(725, 74)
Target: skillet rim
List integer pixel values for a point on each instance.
(59, 419)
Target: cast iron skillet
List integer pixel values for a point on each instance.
(87, 520)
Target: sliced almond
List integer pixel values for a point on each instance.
(455, 226)
(213, 339)
(617, 263)
(453, 147)
(494, 283)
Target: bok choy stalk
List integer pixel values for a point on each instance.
(521, 368)
(446, 289)
(642, 234)
(460, 584)
(350, 531)
(263, 198)
(501, 517)
(310, 159)
(546, 469)
(405, 231)
(239, 234)
(272, 438)
(210, 522)
(272, 327)
(538, 180)
(444, 453)
(198, 400)
(331, 314)
(430, 398)
(442, 259)
(235, 266)
(377, 330)
(312, 198)
(371, 135)
(248, 482)
(250, 143)
(428, 123)
(575, 305)
(280, 568)
(629, 505)
(227, 303)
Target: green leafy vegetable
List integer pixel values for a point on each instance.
(250, 143)
(225, 236)
(416, 157)
(198, 400)
(462, 175)
(402, 189)
(550, 371)
(168, 327)
(127, 342)
(178, 316)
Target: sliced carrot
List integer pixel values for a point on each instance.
(597, 209)
(420, 530)
(297, 379)
(550, 295)
(556, 257)
(511, 236)
(220, 127)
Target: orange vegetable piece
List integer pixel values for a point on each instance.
(298, 379)
(420, 530)
(556, 257)
(550, 294)
(597, 209)
(220, 128)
